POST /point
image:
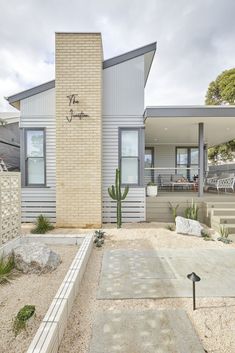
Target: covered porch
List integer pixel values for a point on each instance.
(176, 144)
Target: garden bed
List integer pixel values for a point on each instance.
(213, 321)
(38, 290)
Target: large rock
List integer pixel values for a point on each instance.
(188, 226)
(35, 258)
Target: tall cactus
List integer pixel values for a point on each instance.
(116, 194)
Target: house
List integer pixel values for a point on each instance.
(10, 140)
(77, 129)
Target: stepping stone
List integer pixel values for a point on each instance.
(129, 274)
(150, 331)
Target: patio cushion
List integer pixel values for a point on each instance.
(176, 177)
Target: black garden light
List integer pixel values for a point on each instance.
(194, 278)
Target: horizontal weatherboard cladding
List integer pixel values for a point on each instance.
(39, 112)
(134, 205)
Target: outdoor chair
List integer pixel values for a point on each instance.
(221, 183)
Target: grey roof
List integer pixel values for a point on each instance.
(31, 92)
(130, 55)
(189, 111)
(106, 63)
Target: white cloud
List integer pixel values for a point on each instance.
(195, 41)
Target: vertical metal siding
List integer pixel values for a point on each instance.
(124, 88)
(123, 106)
(39, 111)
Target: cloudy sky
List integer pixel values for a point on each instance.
(195, 38)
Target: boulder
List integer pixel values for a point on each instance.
(35, 258)
(188, 226)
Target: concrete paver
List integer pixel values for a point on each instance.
(162, 274)
(150, 331)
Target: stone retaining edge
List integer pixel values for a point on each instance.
(50, 333)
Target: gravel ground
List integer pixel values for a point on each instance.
(214, 321)
(30, 289)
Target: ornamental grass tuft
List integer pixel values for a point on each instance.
(6, 269)
(42, 225)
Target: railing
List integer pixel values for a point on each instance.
(10, 220)
(173, 178)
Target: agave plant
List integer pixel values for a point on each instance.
(99, 238)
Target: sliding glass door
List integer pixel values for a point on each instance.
(187, 159)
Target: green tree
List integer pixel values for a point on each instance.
(222, 91)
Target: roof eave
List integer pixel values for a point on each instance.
(15, 99)
(189, 111)
(129, 55)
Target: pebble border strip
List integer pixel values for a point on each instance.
(49, 335)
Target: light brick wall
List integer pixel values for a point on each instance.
(79, 60)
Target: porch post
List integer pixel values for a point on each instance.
(200, 158)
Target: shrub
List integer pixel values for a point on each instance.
(170, 227)
(206, 235)
(151, 183)
(42, 225)
(6, 268)
(99, 238)
(224, 232)
(173, 210)
(22, 317)
(191, 212)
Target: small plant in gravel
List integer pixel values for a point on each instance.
(22, 317)
(170, 227)
(173, 210)
(99, 238)
(6, 269)
(206, 235)
(224, 233)
(191, 211)
(42, 225)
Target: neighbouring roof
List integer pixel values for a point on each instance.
(147, 49)
(9, 117)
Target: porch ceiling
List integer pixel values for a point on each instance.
(184, 130)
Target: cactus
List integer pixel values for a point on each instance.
(116, 194)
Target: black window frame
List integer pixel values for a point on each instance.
(140, 156)
(189, 164)
(26, 183)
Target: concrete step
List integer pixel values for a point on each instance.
(223, 212)
(217, 223)
(219, 203)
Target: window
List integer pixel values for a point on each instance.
(129, 159)
(35, 157)
(187, 157)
